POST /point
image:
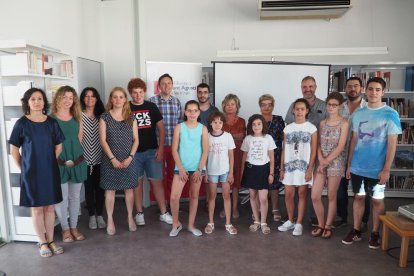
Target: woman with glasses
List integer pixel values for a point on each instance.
(333, 133)
(275, 126)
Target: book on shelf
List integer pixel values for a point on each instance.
(401, 105)
(409, 78)
(407, 134)
(387, 78)
(47, 64)
(404, 159)
(12, 94)
(338, 79)
(399, 182)
(66, 68)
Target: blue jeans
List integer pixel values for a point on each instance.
(145, 162)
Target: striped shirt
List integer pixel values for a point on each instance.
(171, 113)
(92, 150)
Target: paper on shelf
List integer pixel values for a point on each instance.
(13, 94)
(9, 126)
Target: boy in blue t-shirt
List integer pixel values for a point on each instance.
(371, 152)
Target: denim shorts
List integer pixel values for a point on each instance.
(203, 172)
(218, 178)
(146, 163)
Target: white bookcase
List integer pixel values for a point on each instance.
(24, 65)
(401, 99)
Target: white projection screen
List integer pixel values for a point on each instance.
(251, 80)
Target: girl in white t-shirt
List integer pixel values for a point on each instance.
(258, 169)
(219, 169)
(297, 162)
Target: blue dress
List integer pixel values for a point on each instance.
(40, 178)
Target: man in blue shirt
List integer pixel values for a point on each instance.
(371, 152)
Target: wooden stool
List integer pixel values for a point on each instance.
(404, 227)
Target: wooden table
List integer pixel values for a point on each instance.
(404, 227)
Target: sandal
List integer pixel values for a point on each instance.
(231, 229)
(209, 228)
(55, 248)
(67, 236)
(265, 228)
(317, 231)
(327, 232)
(276, 215)
(254, 227)
(45, 253)
(77, 234)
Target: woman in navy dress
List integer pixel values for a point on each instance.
(40, 139)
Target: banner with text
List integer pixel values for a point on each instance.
(186, 77)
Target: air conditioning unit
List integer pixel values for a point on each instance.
(302, 9)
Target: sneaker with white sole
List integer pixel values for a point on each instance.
(139, 219)
(298, 230)
(101, 222)
(353, 236)
(92, 223)
(166, 217)
(196, 232)
(286, 226)
(174, 232)
(374, 241)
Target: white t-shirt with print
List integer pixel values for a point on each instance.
(297, 151)
(257, 148)
(218, 153)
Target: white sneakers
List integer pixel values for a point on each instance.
(101, 222)
(174, 232)
(139, 219)
(166, 217)
(288, 225)
(92, 222)
(96, 222)
(298, 230)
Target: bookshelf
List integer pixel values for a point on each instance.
(399, 94)
(24, 65)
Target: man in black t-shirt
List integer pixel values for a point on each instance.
(149, 156)
(203, 96)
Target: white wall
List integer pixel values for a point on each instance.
(187, 30)
(70, 26)
(118, 42)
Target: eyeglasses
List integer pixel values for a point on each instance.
(266, 105)
(333, 105)
(192, 110)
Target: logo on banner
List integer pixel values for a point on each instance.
(180, 88)
(183, 88)
(156, 91)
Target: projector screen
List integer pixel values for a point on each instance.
(251, 80)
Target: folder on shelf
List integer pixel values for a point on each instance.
(409, 75)
(9, 126)
(13, 94)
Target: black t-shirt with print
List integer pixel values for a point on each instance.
(147, 116)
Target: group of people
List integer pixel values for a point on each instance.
(112, 148)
